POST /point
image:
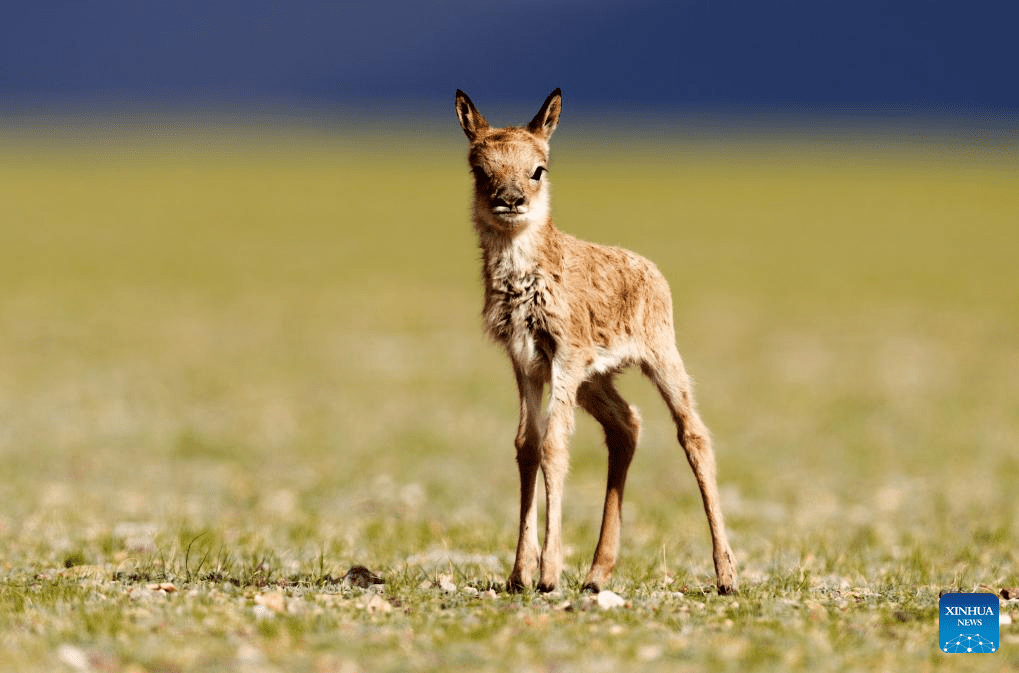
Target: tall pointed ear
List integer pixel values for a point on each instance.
(545, 121)
(471, 120)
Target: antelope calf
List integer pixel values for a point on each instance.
(571, 314)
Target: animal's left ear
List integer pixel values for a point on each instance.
(545, 121)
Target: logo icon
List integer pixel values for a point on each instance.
(968, 623)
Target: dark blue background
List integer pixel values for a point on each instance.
(925, 55)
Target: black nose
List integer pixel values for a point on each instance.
(509, 200)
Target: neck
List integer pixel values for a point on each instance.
(507, 253)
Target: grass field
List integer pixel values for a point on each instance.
(233, 365)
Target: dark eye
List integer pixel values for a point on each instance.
(479, 173)
(538, 172)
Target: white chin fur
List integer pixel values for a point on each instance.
(536, 213)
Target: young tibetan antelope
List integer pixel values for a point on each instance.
(571, 314)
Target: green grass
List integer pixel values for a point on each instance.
(240, 366)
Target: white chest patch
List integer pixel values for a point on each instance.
(518, 318)
(517, 312)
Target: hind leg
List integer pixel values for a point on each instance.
(672, 381)
(621, 424)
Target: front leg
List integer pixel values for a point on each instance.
(555, 461)
(528, 445)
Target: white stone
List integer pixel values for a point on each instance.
(250, 655)
(262, 612)
(610, 599)
(75, 657)
(649, 652)
(378, 604)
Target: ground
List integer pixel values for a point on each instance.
(237, 362)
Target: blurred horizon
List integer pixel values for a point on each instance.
(388, 62)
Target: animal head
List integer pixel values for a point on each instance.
(509, 165)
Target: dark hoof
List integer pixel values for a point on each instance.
(546, 588)
(515, 586)
(590, 588)
(727, 590)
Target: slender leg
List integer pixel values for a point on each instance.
(528, 445)
(555, 461)
(621, 424)
(673, 383)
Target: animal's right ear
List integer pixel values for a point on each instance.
(471, 120)
(545, 121)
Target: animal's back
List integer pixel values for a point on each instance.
(621, 294)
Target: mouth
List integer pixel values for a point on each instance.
(509, 213)
(508, 220)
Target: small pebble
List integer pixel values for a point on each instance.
(649, 652)
(361, 577)
(610, 599)
(274, 601)
(261, 612)
(75, 657)
(249, 655)
(378, 604)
